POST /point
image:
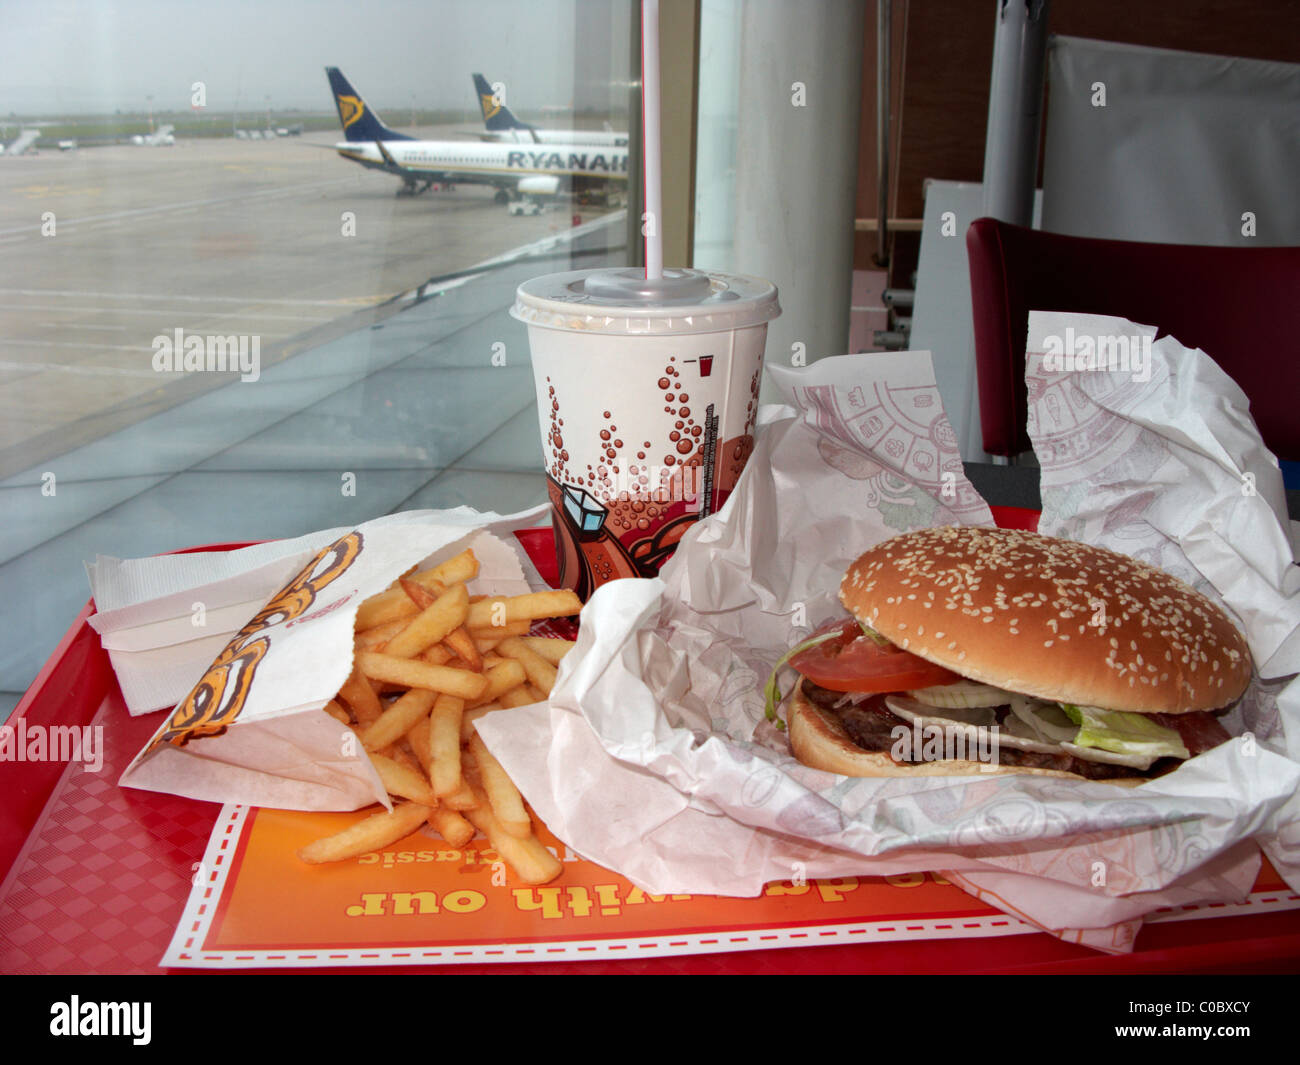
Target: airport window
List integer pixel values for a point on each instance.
(243, 301)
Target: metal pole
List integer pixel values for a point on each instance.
(635, 167)
(1015, 110)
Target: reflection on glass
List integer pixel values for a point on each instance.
(218, 327)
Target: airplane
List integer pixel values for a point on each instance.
(161, 138)
(515, 170)
(23, 142)
(502, 125)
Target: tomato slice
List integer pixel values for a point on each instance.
(852, 662)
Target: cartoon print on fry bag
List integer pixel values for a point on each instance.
(219, 697)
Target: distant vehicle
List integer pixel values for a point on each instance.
(241, 134)
(67, 146)
(160, 138)
(23, 142)
(525, 207)
(502, 125)
(515, 170)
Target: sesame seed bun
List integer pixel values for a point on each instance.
(1050, 618)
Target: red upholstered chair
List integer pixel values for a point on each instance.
(1241, 306)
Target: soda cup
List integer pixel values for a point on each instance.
(647, 392)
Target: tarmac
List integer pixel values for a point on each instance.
(104, 249)
(390, 377)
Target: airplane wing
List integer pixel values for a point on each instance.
(387, 157)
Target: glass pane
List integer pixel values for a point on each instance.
(225, 322)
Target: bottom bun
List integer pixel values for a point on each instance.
(821, 742)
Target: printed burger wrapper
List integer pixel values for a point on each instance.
(662, 766)
(249, 727)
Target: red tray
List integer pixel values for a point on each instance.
(93, 877)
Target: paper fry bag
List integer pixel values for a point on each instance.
(252, 730)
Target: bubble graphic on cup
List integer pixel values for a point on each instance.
(647, 393)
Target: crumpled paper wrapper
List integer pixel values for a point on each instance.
(662, 767)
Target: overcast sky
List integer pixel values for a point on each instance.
(65, 56)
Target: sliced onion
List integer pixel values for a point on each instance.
(975, 722)
(1029, 728)
(1048, 720)
(1015, 733)
(962, 693)
(911, 710)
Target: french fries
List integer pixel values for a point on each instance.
(531, 861)
(498, 611)
(462, 644)
(539, 671)
(498, 679)
(432, 625)
(374, 832)
(398, 719)
(502, 795)
(429, 661)
(361, 697)
(551, 648)
(403, 780)
(451, 826)
(444, 745)
(412, 674)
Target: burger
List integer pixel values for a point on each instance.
(974, 650)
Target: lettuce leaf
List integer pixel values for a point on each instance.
(1124, 732)
(772, 696)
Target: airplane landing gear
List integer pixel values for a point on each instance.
(501, 197)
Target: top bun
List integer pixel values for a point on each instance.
(1050, 618)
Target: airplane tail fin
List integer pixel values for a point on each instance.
(496, 115)
(360, 122)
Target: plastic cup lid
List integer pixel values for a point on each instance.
(624, 301)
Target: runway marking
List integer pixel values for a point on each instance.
(158, 310)
(80, 325)
(341, 301)
(555, 239)
(71, 344)
(90, 371)
(139, 212)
